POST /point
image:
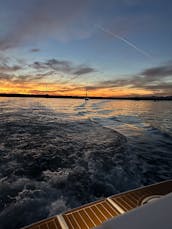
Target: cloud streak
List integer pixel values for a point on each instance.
(63, 66)
(129, 43)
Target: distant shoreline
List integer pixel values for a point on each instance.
(154, 98)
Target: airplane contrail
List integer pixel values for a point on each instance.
(124, 40)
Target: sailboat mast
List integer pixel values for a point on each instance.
(86, 96)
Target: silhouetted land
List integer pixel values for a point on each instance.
(155, 98)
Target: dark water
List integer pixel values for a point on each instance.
(56, 154)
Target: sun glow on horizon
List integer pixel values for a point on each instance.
(67, 90)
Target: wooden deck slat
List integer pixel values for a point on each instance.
(83, 206)
(123, 203)
(132, 199)
(80, 220)
(129, 202)
(90, 215)
(43, 226)
(95, 218)
(57, 223)
(94, 214)
(98, 213)
(104, 211)
(73, 221)
(68, 221)
(51, 225)
(87, 219)
(110, 208)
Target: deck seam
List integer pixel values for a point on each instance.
(62, 222)
(116, 206)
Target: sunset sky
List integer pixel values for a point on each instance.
(112, 47)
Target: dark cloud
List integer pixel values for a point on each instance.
(24, 78)
(154, 78)
(35, 50)
(51, 68)
(150, 79)
(38, 19)
(6, 77)
(31, 78)
(83, 70)
(160, 88)
(63, 66)
(7, 68)
(158, 72)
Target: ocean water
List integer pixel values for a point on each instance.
(56, 154)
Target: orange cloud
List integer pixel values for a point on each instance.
(66, 89)
(48, 80)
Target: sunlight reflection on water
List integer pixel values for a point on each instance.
(128, 117)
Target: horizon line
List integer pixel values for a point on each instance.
(138, 97)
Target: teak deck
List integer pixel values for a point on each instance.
(94, 214)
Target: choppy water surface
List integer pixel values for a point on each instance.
(56, 154)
